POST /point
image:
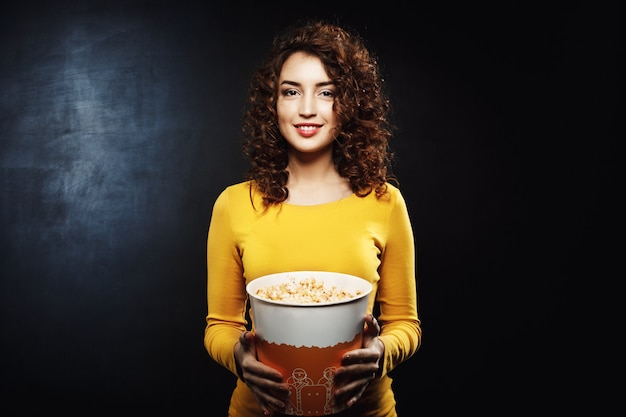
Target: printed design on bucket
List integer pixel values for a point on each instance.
(300, 385)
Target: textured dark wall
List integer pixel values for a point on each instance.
(119, 125)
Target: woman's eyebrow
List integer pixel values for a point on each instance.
(297, 84)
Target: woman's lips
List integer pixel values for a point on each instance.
(308, 130)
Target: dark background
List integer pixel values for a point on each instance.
(119, 125)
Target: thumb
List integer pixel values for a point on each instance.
(372, 329)
(247, 340)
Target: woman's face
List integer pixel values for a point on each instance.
(305, 112)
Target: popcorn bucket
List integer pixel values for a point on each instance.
(305, 340)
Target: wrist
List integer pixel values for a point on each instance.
(381, 358)
(238, 368)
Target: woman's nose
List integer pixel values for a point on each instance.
(308, 107)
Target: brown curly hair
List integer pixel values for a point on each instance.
(361, 151)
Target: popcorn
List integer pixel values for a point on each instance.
(304, 291)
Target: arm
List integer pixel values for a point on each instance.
(401, 331)
(226, 296)
(398, 335)
(225, 337)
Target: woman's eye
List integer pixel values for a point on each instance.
(290, 92)
(328, 94)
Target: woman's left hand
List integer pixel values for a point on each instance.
(359, 366)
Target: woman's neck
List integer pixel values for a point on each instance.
(315, 181)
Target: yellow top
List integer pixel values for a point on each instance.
(368, 237)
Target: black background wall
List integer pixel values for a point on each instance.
(119, 125)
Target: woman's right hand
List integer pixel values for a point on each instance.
(264, 381)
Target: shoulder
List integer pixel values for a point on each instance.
(238, 195)
(237, 190)
(392, 202)
(383, 204)
(393, 190)
(396, 197)
(392, 195)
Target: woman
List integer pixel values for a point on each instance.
(318, 196)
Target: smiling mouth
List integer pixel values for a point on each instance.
(307, 128)
(308, 131)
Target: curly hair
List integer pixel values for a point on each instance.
(361, 151)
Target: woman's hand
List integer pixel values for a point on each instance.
(359, 366)
(265, 382)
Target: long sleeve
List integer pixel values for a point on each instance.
(397, 290)
(226, 297)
